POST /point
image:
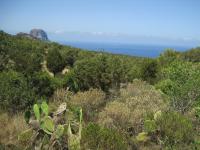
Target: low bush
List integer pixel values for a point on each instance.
(175, 129)
(96, 137)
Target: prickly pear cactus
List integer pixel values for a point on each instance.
(59, 131)
(48, 125)
(74, 139)
(142, 137)
(45, 108)
(47, 133)
(149, 126)
(157, 115)
(36, 110)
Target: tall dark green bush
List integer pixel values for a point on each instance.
(93, 73)
(70, 81)
(55, 62)
(149, 70)
(43, 84)
(69, 55)
(15, 94)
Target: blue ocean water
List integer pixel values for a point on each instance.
(141, 50)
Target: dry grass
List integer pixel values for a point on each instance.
(91, 102)
(92, 98)
(115, 115)
(11, 127)
(60, 95)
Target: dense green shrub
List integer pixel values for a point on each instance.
(25, 54)
(4, 58)
(69, 55)
(96, 137)
(180, 81)
(149, 70)
(15, 94)
(43, 84)
(93, 73)
(166, 86)
(168, 56)
(71, 82)
(27, 62)
(192, 55)
(55, 61)
(118, 71)
(175, 129)
(103, 71)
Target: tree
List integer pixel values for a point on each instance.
(69, 55)
(118, 71)
(42, 83)
(55, 62)
(93, 73)
(149, 70)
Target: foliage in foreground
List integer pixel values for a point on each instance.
(58, 131)
(97, 137)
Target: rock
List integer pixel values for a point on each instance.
(35, 34)
(61, 109)
(65, 70)
(39, 34)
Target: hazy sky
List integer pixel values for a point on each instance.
(114, 20)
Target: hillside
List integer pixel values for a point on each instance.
(78, 99)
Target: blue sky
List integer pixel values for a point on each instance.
(147, 21)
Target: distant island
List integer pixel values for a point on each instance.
(35, 34)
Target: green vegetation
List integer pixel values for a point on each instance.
(96, 100)
(16, 95)
(96, 137)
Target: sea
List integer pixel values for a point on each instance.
(141, 50)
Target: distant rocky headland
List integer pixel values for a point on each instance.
(35, 34)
